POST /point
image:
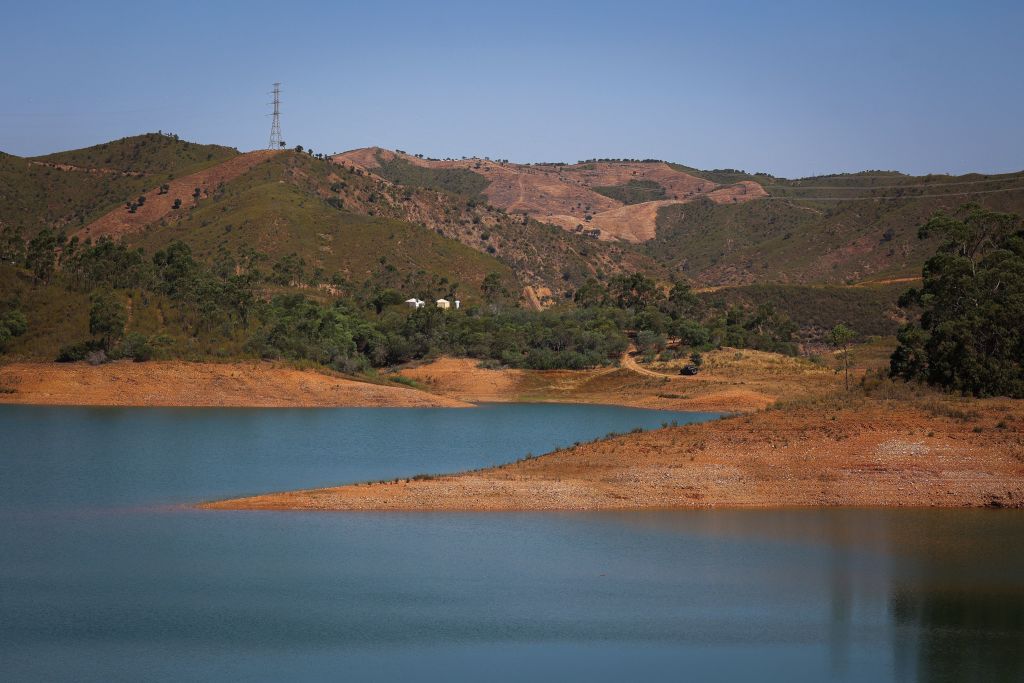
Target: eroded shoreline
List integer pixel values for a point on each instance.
(875, 453)
(207, 385)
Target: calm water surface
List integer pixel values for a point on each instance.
(104, 575)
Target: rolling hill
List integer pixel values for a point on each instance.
(724, 226)
(68, 190)
(591, 197)
(372, 218)
(276, 209)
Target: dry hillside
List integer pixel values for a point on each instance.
(564, 195)
(158, 204)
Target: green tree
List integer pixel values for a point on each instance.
(492, 289)
(841, 336)
(635, 292)
(968, 336)
(590, 294)
(288, 270)
(12, 245)
(12, 324)
(107, 317)
(41, 257)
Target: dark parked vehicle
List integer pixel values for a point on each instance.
(689, 369)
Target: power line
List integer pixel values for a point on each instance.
(275, 126)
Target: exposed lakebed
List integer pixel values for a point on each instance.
(107, 573)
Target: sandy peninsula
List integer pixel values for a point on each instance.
(855, 452)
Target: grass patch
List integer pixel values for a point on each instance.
(460, 181)
(633, 192)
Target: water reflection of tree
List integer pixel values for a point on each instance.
(955, 635)
(957, 597)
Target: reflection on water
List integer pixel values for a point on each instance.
(951, 582)
(99, 580)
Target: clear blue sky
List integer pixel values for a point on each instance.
(790, 88)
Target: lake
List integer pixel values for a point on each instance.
(106, 574)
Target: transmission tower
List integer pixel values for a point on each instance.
(275, 127)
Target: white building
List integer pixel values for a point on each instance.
(414, 303)
(444, 303)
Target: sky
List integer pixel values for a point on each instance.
(790, 88)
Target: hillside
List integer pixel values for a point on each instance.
(275, 210)
(587, 197)
(718, 227)
(67, 190)
(869, 309)
(832, 229)
(549, 261)
(151, 154)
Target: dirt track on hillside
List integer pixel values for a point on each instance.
(732, 381)
(177, 383)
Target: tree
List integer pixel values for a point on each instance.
(492, 289)
(968, 335)
(107, 317)
(636, 291)
(590, 294)
(12, 324)
(12, 245)
(682, 302)
(41, 257)
(841, 336)
(290, 269)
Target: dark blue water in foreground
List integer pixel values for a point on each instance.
(105, 576)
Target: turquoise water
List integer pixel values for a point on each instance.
(104, 575)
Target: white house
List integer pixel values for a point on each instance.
(444, 303)
(414, 303)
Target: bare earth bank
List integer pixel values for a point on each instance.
(870, 453)
(177, 383)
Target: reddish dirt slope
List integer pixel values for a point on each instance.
(120, 222)
(872, 454)
(176, 383)
(564, 195)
